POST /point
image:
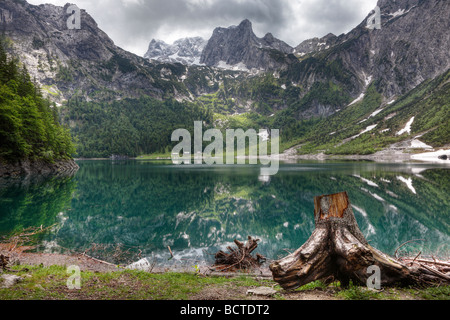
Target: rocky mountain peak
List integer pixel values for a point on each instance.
(246, 24)
(269, 37)
(156, 48)
(238, 45)
(186, 50)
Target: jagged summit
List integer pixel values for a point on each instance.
(186, 50)
(246, 24)
(239, 46)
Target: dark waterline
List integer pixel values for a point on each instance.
(198, 210)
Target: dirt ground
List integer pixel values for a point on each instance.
(239, 293)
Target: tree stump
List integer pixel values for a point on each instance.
(337, 250)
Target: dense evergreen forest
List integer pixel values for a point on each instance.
(29, 127)
(130, 127)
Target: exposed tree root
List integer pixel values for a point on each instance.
(338, 250)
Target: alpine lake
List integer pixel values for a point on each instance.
(136, 209)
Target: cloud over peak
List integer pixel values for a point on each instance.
(133, 23)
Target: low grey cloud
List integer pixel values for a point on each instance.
(132, 24)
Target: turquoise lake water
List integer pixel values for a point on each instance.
(146, 206)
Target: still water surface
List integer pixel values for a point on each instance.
(150, 205)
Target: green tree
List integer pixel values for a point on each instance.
(29, 128)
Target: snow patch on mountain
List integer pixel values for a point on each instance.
(407, 128)
(368, 129)
(357, 99)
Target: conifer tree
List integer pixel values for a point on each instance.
(29, 127)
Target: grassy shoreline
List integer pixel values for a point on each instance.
(39, 282)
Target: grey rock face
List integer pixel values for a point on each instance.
(316, 44)
(412, 46)
(67, 61)
(187, 51)
(238, 45)
(47, 24)
(389, 7)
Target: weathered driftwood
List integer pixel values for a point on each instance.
(239, 258)
(337, 250)
(4, 260)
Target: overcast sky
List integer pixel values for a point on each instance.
(132, 24)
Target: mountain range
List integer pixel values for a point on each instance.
(337, 94)
(187, 51)
(232, 48)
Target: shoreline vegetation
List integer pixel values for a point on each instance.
(69, 166)
(390, 154)
(32, 139)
